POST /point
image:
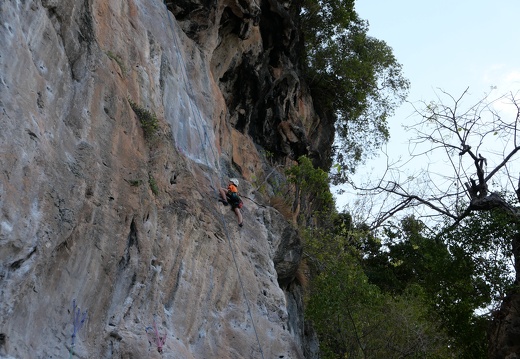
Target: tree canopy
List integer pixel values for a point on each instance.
(356, 316)
(355, 80)
(380, 295)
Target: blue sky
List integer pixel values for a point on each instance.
(448, 45)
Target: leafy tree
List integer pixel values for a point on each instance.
(355, 318)
(457, 287)
(355, 79)
(451, 277)
(311, 189)
(484, 239)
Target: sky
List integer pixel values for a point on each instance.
(448, 45)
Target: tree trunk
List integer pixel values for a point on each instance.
(504, 333)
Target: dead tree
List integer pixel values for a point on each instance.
(480, 146)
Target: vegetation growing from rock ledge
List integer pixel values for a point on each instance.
(118, 61)
(153, 184)
(355, 80)
(134, 183)
(148, 119)
(311, 189)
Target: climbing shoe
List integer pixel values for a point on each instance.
(225, 203)
(241, 224)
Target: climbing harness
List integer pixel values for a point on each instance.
(216, 186)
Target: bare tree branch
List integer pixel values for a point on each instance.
(463, 134)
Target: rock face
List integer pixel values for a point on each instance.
(125, 222)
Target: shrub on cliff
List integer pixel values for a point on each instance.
(355, 80)
(312, 190)
(148, 119)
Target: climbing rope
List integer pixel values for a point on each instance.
(204, 141)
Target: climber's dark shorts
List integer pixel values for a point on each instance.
(234, 200)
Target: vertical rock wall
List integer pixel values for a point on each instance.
(128, 225)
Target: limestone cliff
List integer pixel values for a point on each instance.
(127, 223)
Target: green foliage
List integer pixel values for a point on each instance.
(356, 319)
(118, 60)
(483, 241)
(355, 79)
(134, 183)
(485, 238)
(461, 272)
(407, 290)
(148, 120)
(269, 156)
(312, 187)
(153, 184)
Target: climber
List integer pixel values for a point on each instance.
(230, 196)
